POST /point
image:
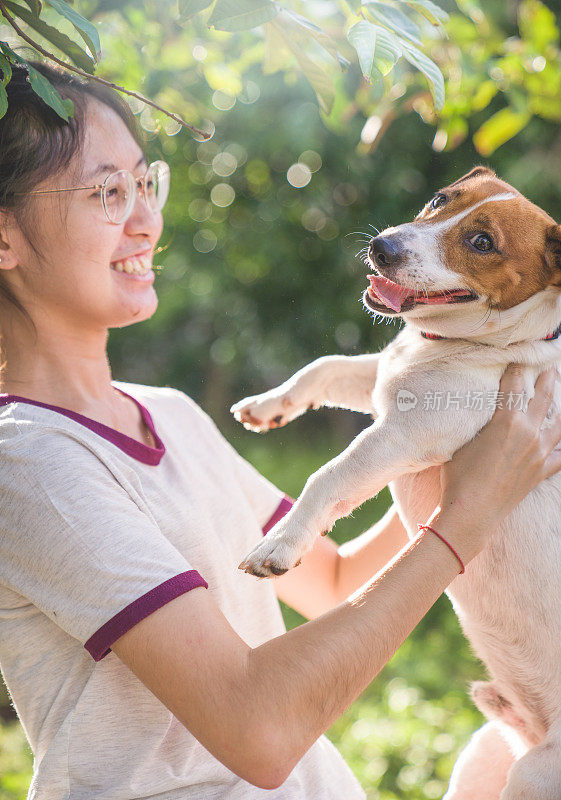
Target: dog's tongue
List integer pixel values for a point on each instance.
(390, 293)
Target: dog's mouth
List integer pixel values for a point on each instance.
(389, 297)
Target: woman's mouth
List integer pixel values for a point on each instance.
(387, 296)
(138, 266)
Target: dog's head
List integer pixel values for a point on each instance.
(477, 258)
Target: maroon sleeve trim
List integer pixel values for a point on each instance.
(283, 508)
(99, 644)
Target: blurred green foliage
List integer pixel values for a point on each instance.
(262, 273)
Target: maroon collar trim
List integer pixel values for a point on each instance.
(555, 335)
(132, 447)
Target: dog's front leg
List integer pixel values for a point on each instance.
(339, 381)
(377, 456)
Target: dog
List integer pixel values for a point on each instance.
(477, 278)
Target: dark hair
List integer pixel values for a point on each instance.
(36, 143)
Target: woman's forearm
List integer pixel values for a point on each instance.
(360, 559)
(302, 681)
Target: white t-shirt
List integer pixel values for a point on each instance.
(97, 531)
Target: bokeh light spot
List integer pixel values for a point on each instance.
(250, 93)
(200, 210)
(223, 101)
(199, 52)
(204, 240)
(299, 175)
(311, 159)
(222, 195)
(313, 219)
(224, 164)
(238, 151)
(199, 173)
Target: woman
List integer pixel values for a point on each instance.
(141, 663)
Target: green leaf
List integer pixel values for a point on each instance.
(378, 50)
(429, 70)
(429, 10)
(276, 52)
(47, 92)
(188, 8)
(60, 40)
(314, 30)
(388, 50)
(85, 28)
(395, 19)
(3, 100)
(6, 68)
(41, 86)
(362, 36)
(240, 15)
(318, 78)
(35, 6)
(498, 129)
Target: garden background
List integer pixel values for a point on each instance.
(261, 273)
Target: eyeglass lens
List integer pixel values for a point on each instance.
(119, 191)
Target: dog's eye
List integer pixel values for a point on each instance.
(438, 200)
(482, 242)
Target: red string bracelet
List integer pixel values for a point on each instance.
(428, 528)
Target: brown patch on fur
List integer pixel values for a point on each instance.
(527, 242)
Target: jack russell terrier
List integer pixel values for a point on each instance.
(477, 277)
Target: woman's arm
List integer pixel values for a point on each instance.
(259, 710)
(328, 574)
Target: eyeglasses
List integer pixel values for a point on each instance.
(118, 191)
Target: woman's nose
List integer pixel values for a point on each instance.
(142, 218)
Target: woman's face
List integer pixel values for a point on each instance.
(72, 281)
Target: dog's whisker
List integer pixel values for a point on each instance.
(366, 234)
(486, 316)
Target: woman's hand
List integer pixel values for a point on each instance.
(508, 458)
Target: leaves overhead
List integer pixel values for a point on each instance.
(468, 61)
(188, 8)
(383, 33)
(85, 28)
(40, 85)
(31, 15)
(241, 15)
(61, 41)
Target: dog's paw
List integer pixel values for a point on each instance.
(268, 410)
(274, 556)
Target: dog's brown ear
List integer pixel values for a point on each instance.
(476, 172)
(553, 246)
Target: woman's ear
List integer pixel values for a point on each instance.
(8, 258)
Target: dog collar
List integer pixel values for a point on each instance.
(554, 335)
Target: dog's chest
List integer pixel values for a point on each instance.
(508, 601)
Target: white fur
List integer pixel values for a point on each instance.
(509, 600)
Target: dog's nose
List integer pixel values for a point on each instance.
(385, 251)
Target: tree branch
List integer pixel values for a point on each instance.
(78, 71)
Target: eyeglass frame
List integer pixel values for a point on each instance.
(140, 185)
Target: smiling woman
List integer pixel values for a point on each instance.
(46, 165)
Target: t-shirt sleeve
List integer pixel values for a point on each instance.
(75, 543)
(268, 502)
